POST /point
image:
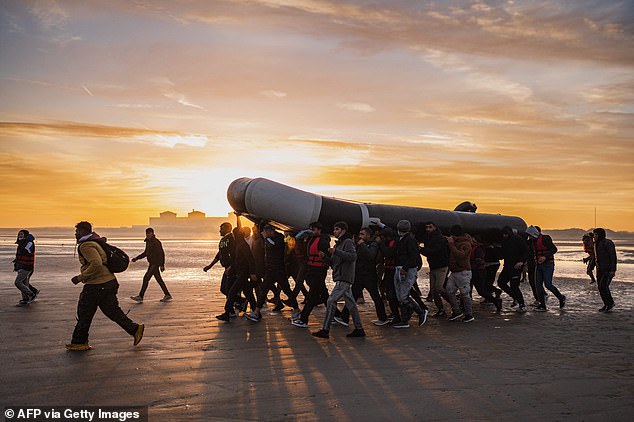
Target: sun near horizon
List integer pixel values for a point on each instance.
(113, 112)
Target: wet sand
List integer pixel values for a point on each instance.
(574, 364)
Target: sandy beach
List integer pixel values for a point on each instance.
(574, 364)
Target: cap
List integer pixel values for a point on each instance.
(403, 226)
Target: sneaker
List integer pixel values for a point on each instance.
(137, 298)
(278, 307)
(468, 318)
(454, 316)
(514, 303)
(340, 321)
(166, 298)
(78, 347)
(603, 309)
(22, 303)
(252, 316)
(357, 332)
(609, 308)
(498, 305)
(296, 313)
(299, 323)
(36, 293)
(562, 302)
(541, 308)
(536, 304)
(224, 317)
(390, 319)
(422, 317)
(401, 324)
(440, 314)
(321, 334)
(380, 323)
(139, 334)
(521, 309)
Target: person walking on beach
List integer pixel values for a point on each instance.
(387, 246)
(407, 266)
(274, 273)
(343, 258)
(543, 255)
(100, 290)
(515, 254)
(459, 274)
(156, 264)
(24, 265)
(436, 250)
(365, 277)
(317, 246)
(605, 254)
(244, 269)
(590, 261)
(225, 257)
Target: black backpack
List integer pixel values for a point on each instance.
(117, 261)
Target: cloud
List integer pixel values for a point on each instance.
(273, 94)
(360, 107)
(171, 141)
(123, 134)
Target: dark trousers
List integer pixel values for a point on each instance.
(317, 291)
(370, 283)
(272, 277)
(153, 270)
(240, 284)
(510, 275)
(531, 280)
(492, 271)
(228, 278)
(479, 281)
(299, 278)
(390, 292)
(603, 283)
(104, 297)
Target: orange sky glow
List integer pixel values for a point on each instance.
(113, 111)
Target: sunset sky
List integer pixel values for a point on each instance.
(113, 111)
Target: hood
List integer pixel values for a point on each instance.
(27, 238)
(532, 232)
(92, 237)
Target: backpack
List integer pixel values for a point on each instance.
(117, 261)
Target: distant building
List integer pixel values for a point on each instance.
(195, 220)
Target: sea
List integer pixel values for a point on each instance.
(185, 258)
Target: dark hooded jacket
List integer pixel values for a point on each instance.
(366, 260)
(605, 253)
(514, 249)
(436, 250)
(407, 255)
(153, 251)
(25, 254)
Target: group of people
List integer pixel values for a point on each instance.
(386, 262)
(383, 261)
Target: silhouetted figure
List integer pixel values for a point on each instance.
(605, 254)
(156, 264)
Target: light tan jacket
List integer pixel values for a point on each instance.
(93, 269)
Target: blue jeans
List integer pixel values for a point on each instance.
(544, 277)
